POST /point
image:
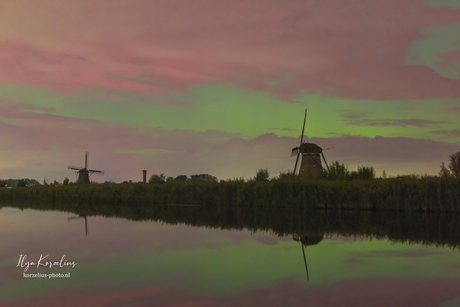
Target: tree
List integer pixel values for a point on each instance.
(262, 175)
(337, 171)
(287, 176)
(66, 181)
(181, 178)
(366, 172)
(204, 177)
(454, 165)
(169, 179)
(353, 175)
(157, 178)
(22, 183)
(444, 172)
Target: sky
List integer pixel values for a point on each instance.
(220, 87)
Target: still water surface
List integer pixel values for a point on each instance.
(120, 262)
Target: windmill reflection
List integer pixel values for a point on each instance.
(80, 217)
(304, 242)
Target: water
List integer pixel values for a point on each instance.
(121, 262)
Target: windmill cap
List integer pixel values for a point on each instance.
(310, 148)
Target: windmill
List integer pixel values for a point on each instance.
(79, 217)
(310, 166)
(83, 172)
(304, 242)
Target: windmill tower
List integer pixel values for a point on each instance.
(310, 166)
(83, 172)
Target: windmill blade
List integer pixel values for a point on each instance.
(301, 141)
(303, 128)
(296, 161)
(325, 161)
(96, 171)
(305, 261)
(86, 159)
(75, 168)
(75, 218)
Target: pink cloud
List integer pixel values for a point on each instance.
(353, 49)
(59, 71)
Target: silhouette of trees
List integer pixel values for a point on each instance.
(22, 183)
(181, 178)
(157, 178)
(203, 177)
(453, 169)
(337, 171)
(262, 175)
(454, 165)
(444, 172)
(365, 172)
(287, 175)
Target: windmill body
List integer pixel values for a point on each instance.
(83, 176)
(311, 167)
(310, 154)
(83, 172)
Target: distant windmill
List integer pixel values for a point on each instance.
(304, 242)
(79, 217)
(83, 172)
(310, 165)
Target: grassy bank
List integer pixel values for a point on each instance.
(396, 194)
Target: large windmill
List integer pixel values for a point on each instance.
(83, 172)
(310, 166)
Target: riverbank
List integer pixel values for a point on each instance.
(394, 194)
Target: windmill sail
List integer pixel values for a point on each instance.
(310, 156)
(84, 173)
(301, 141)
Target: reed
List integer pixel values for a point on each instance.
(395, 194)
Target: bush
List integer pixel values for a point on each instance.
(157, 178)
(262, 175)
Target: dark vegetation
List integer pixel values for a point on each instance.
(339, 189)
(439, 229)
(397, 194)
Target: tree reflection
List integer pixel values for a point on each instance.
(441, 229)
